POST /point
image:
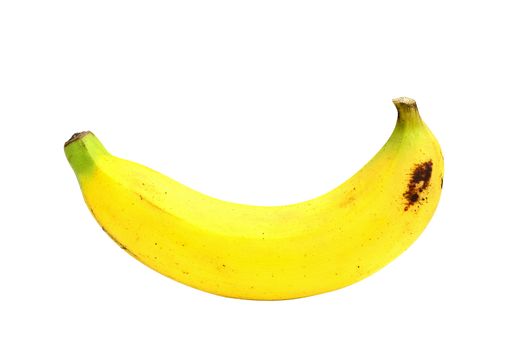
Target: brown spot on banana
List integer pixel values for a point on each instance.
(419, 181)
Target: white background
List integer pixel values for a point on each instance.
(262, 102)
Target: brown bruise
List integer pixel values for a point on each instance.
(419, 181)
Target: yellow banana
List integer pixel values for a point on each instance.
(268, 252)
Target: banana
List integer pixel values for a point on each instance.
(268, 252)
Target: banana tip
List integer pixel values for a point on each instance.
(404, 101)
(77, 136)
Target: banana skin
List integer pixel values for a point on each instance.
(268, 252)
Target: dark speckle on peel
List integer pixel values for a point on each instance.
(419, 181)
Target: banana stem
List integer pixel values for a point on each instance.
(82, 150)
(408, 113)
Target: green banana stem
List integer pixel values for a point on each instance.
(82, 150)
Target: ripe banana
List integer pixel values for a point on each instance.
(268, 252)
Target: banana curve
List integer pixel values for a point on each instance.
(270, 253)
